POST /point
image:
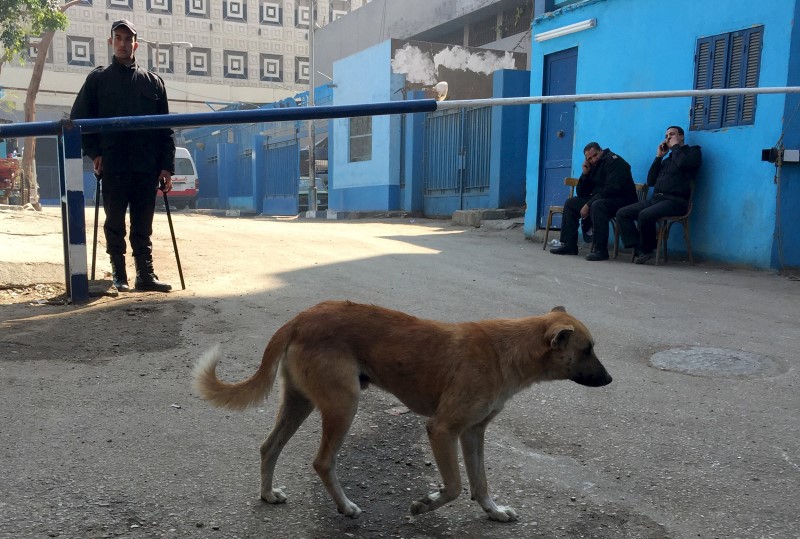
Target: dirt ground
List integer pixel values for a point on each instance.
(102, 435)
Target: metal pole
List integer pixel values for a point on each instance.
(312, 147)
(96, 216)
(172, 233)
(539, 100)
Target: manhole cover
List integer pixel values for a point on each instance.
(714, 362)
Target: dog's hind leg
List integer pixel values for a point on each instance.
(444, 444)
(472, 441)
(338, 405)
(295, 408)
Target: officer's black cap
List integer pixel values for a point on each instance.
(123, 22)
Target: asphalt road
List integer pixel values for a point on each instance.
(102, 435)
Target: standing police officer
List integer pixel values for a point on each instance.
(134, 163)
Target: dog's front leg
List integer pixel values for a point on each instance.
(445, 450)
(472, 447)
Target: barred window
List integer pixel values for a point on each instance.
(483, 32)
(361, 139)
(730, 60)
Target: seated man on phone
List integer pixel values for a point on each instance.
(605, 186)
(672, 177)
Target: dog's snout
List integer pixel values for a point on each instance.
(597, 377)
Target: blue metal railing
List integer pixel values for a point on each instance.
(70, 161)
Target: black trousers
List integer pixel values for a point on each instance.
(647, 213)
(601, 211)
(137, 193)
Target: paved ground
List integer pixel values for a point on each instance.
(101, 434)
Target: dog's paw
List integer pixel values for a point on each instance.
(350, 510)
(418, 507)
(275, 495)
(503, 513)
(425, 504)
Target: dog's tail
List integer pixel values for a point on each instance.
(239, 395)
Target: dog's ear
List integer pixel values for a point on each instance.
(558, 309)
(558, 335)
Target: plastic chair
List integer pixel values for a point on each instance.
(641, 193)
(572, 183)
(665, 223)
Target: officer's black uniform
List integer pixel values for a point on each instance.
(672, 177)
(606, 188)
(132, 160)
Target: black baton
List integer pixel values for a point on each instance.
(162, 186)
(96, 215)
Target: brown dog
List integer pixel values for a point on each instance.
(459, 375)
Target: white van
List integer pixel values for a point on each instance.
(185, 183)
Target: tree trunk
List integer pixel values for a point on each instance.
(29, 155)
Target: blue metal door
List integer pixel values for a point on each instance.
(282, 177)
(560, 70)
(456, 159)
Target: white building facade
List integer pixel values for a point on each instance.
(211, 53)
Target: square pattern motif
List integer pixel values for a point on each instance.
(301, 69)
(199, 62)
(235, 64)
(234, 10)
(197, 8)
(33, 51)
(271, 68)
(80, 51)
(159, 6)
(161, 59)
(271, 13)
(124, 4)
(303, 16)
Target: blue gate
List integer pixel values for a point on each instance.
(282, 163)
(457, 160)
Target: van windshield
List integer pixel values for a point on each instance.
(183, 167)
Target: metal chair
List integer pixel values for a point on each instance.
(572, 183)
(665, 223)
(641, 193)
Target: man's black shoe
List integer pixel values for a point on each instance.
(565, 250)
(644, 257)
(596, 256)
(119, 274)
(146, 279)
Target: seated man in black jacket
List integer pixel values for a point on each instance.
(672, 177)
(605, 186)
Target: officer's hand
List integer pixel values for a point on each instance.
(98, 165)
(165, 181)
(585, 211)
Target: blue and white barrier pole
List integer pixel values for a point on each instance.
(73, 215)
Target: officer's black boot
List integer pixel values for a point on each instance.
(119, 274)
(146, 279)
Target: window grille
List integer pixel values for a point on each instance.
(483, 32)
(361, 138)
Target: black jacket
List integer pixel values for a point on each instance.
(610, 178)
(119, 90)
(672, 175)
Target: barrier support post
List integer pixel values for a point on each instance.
(73, 205)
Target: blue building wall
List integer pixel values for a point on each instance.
(509, 140)
(366, 77)
(645, 46)
(786, 247)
